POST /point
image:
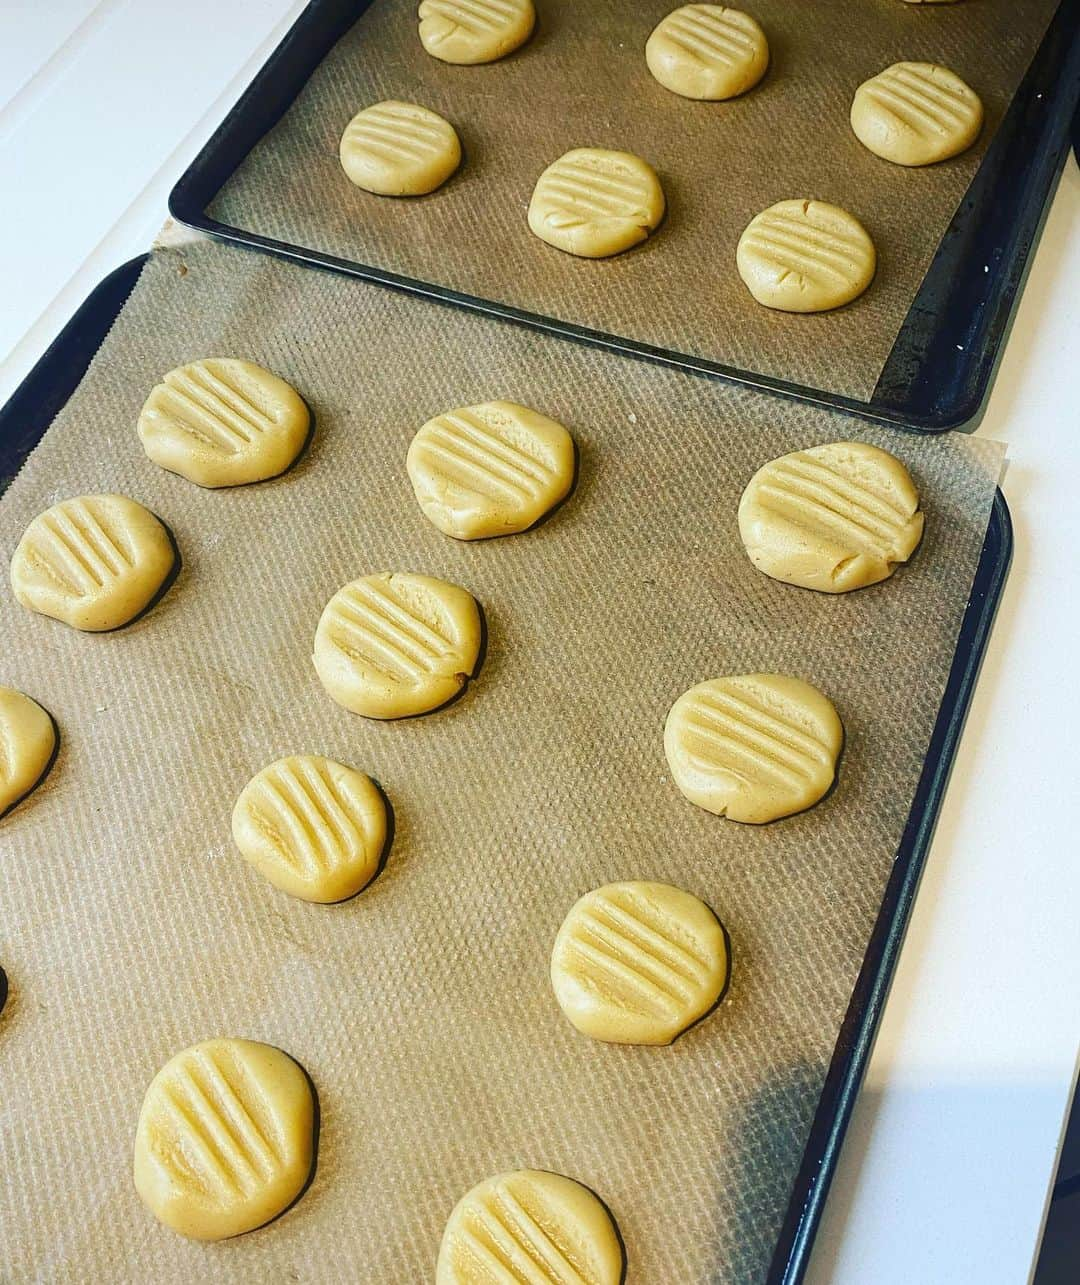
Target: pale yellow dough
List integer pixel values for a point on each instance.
(313, 827)
(93, 562)
(475, 31)
(27, 742)
(916, 113)
(706, 51)
(753, 747)
(223, 422)
(531, 1227)
(489, 470)
(805, 256)
(638, 962)
(595, 203)
(832, 518)
(224, 1141)
(396, 644)
(399, 149)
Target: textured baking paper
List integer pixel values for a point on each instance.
(130, 928)
(582, 81)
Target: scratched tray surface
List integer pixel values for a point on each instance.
(916, 348)
(422, 1009)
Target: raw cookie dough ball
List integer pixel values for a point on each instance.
(313, 827)
(395, 644)
(833, 518)
(223, 422)
(27, 744)
(474, 31)
(805, 256)
(93, 562)
(637, 963)
(224, 1141)
(595, 203)
(708, 52)
(491, 469)
(399, 149)
(529, 1226)
(916, 113)
(753, 747)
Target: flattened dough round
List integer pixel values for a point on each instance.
(805, 256)
(753, 747)
(313, 827)
(27, 743)
(916, 113)
(706, 51)
(491, 469)
(224, 1141)
(638, 962)
(475, 31)
(396, 644)
(832, 518)
(595, 203)
(399, 149)
(529, 1226)
(93, 562)
(223, 422)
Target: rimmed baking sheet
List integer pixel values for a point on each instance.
(918, 348)
(130, 928)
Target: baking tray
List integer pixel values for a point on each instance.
(939, 370)
(49, 385)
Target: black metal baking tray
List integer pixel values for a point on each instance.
(45, 390)
(940, 368)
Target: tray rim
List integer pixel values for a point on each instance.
(197, 187)
(53, 379)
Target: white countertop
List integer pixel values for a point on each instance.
(948, 1164)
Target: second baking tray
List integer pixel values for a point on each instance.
(918, 349)
(421, 1008)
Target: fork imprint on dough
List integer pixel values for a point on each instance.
(399, 149)
(916, 113)
(491, 469)
(833, 518)
(595, 203)
(392, 644)
(530, 1227)
(94, 561)
(753, 747)
(223, 422)
(474, 31)
(313, 827)
(707, 51)
(638, 962)
(224, 1138)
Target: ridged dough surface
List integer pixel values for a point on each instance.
(638, 962)
(313, 827)
(916, 113)
(224, 1140)
(223, 422)
(594, 203)
(399, 149)
(475, 31)
(529, 1228)
(27, 742)
(707, 51)
(395, 644)
(805, 256)
(489, 470)
(93, 562)
(753, 747)
(832, 518)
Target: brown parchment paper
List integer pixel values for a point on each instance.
(582, 81)
(130, 928)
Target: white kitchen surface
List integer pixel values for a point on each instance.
(947, 1168)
